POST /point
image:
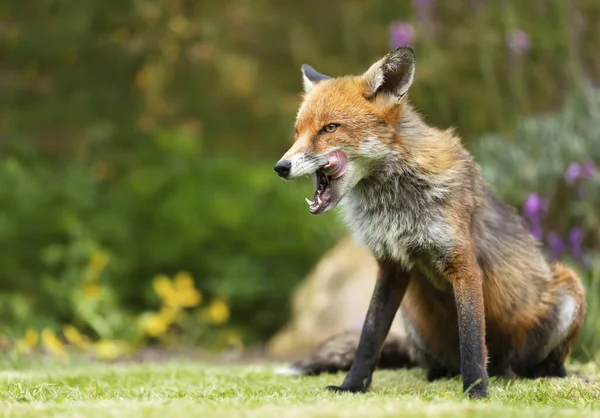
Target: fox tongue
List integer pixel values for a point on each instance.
(337, 164)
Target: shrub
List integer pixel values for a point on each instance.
(548, 167)
(83, 240)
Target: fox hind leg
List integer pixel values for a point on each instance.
(336, 354)
(571, 314)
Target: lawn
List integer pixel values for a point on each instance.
(181, 388)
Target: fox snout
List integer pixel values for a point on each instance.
(299, 164)
(283, 168)
(335, 164)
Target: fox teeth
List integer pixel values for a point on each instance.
(319, 200)
(308, 201)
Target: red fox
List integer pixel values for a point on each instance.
(474, 290)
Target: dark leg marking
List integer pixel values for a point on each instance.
(389, 291)
(466, 278)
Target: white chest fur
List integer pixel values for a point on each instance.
(376, 230)
(394, 226)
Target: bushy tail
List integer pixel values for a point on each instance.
(337, 354)
(568, 283)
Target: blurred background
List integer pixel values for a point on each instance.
(138, 204)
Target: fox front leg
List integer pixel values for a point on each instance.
(463, 272)
(389, 291)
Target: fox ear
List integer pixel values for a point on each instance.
(393, 74)
(311, 77)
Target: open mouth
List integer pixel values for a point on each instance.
(322, 198)
(327, 177)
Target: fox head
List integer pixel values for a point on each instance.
(345, 124)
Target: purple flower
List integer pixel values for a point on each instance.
(534, 206)
(518, 42)
(536, 230)
(578, 171)
(576, 241)
(573, 173)
(556, 244)
(401, 34)
(589, 169)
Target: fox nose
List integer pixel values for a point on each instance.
(282, 168)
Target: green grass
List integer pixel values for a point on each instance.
(181, 389)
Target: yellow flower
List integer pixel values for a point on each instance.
(28, 342)
(92, 291)
(163, 287)
(98, 261)
(187, 294)
(179, 293)
(156, 325)
(217, 312)
(188, 298)
(183, 280)
(52, 343)
(108, 349)
(167, 314)
(74, 337)
(31, 337)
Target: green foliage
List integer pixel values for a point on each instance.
(536, 159)
(241, 232)
(103, 105)
(536, 156)
(81, 73)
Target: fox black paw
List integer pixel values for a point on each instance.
(478, 392)
(351, 389)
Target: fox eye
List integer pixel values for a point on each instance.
(329, 128)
